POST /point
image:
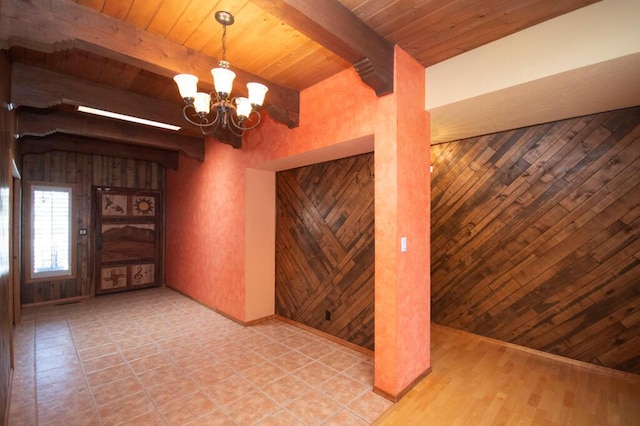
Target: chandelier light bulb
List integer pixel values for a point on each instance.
(223, 81)
(243, 107)
(187, 85)
(257, 92)
(202, 103)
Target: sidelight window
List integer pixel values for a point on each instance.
(49, 231)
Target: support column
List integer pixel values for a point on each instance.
(402, 355)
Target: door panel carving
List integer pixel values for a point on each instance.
(128, 239)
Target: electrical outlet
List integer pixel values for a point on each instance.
(327, 315)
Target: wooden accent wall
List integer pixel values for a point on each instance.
(84, 170)
(6, 317)
(535, 237)
(325, 247)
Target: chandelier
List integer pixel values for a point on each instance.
(210, 111)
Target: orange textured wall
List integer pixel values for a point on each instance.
(206, 208)
(414, 207)
(205, 230)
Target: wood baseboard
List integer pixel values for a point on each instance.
(559, 358)
(327, 336)
(217, 311)
(397, 397)
(57, 301)
(7, 405)
(259, 320)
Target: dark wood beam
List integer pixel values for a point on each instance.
(42, 123)
(335, 27)
(84, 145)
(39, 88)
(63, 24)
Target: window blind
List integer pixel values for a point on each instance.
(51, 230)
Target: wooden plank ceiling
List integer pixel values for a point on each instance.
(136, 46)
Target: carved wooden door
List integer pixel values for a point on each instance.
(128, 239)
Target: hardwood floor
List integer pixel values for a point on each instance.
(480, 381)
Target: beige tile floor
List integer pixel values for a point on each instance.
(155, 357)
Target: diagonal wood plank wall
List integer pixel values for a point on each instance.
(535, 237)
(325, 247)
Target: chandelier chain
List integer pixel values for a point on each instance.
(224, 43)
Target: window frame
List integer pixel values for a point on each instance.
(30, 275)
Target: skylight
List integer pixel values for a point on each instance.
(124, 117)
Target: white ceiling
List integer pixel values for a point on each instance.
(581, 63)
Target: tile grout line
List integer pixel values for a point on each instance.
(159, 305)
(84, 373)
(34, 372)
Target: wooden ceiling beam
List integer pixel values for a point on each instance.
(84, 145)
(39, 88)
(336, 28)
(63, 24)
(42, 123)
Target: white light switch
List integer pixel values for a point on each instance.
(403, 244)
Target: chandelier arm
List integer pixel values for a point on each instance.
(238, 131)
(207, 123)
(214, 109)
(230, 115)
(241, 126)
(210, 130)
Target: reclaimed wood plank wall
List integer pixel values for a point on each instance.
(6, 317)
(535, 237)
(325, 247)
(85, 171)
